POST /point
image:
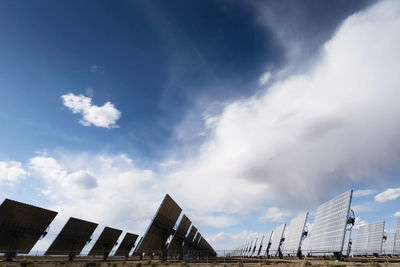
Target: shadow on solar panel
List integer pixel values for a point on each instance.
(126, 245)
(106, 241)
(188, 243)
(160, 229)
(75, 234)
(21, 226)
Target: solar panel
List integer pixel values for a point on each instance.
(260, 248)
(73, 237)
(294, 234)
(21, 226)
(106, 241)
(361, 245)
(397, 238)
(249, 249)
(276, 241)
(375, 237)
(327, 234)
(254, 248)
(126, 245)
(388, 244)
(175, 247)
(188, 244)
(161, 228)
(267, 245)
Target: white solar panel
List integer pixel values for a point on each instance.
(267, 240)
(293, 235)
(258, 252)
(361, 245)
(375, 237)
(253, 249)
(276, 240)
(327, 235)
(369, 239)
(388, 244)
(397, 238)
(249, 249)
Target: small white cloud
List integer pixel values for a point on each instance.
(169, 163)
(396, 214)
(101, 116)
(275, 214)
(362, 193)
(359, 222)
(388, 194)
(265, 78)
(11, 172)
(224, 240)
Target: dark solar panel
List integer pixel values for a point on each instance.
(21, 226)
(106, 241)
(175, 246)
(126, 245)
(72, 238)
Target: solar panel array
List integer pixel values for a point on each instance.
(277, 240)
(327, 235)
(397, 238)
(388, 244)
(294, 234)
(369, 239)
(105, 243)
(176, 244)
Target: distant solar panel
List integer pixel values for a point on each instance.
(188, 243)
(260, 247)
(276, 241)
(253, 250)
(361, 245)
(126, 245)
(294, 234)
(328, 232)
(160, 229)
(249, 249)
(267, 244)
(397, 238)
(21, 226)
(375, 237)
(106, 241)
(388, 244)
(175, 247)
(73, 237)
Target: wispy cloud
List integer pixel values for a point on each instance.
(101, 116)
(388, 194)
(275, 214)
(362, 193)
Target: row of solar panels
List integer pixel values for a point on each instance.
(373, 240)
(22, 225)
(330, 233)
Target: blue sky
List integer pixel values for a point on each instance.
(247, 113)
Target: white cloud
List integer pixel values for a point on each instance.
(362, 193)
(11, 172)
(265, 78)
(388, 194)
(396, 214)
(359, 222)
(309, 134)
(224, 240)
(275, 214)
(101, 116)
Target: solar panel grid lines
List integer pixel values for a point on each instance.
(276, 240)
(361, 245)
(72, 238)
(294, 234)
(397, 238)
(327, 235)
(22, 225)
(126, 245)
(375, 237)
(106, 241)
(388, 244)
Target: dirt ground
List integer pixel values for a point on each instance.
(31, 262)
